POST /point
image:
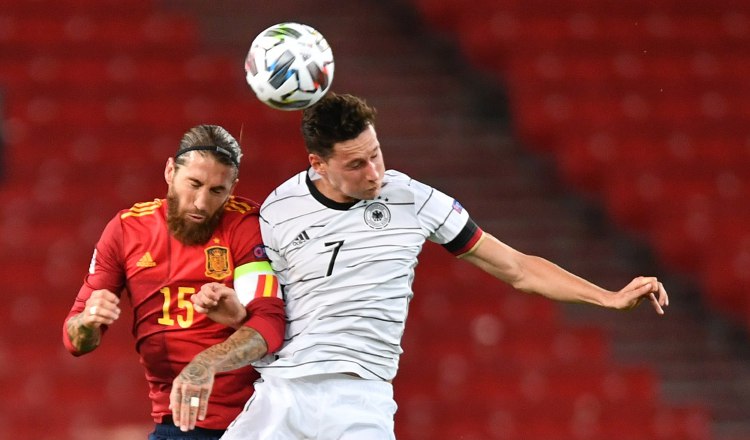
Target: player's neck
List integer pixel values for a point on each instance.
(325, 188)
(323, 192)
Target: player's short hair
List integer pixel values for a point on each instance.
(335, 118)
(210, 139)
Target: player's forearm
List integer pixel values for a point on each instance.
(533, 274)
(243, 347)
(82, 337)
(545, 278)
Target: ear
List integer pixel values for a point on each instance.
(169, 170)
(317, 163)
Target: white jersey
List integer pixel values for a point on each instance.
(347, 271)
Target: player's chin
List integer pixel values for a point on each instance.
(370, 194)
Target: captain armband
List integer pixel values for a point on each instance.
(256, 280)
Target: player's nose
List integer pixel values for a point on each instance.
(373, 173)
(201, 201)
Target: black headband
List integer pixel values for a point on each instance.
(214, 148)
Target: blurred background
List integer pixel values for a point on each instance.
(609, 136)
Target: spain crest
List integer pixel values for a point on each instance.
(217, 262)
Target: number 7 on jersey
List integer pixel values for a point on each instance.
(336, 246)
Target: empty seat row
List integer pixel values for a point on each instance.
(79, 31)
(560, 420)
(700, 69)
(125, 73)
(448, 15)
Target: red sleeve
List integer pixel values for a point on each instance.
(267, 315)
(268, 318)
(105, 272)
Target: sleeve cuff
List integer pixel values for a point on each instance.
(267, 317)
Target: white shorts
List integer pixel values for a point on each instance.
(321, 407)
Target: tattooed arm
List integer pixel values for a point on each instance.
(194, 383)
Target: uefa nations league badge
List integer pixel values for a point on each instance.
(377, 215)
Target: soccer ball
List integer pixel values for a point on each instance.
(289, 66)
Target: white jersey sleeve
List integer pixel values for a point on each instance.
(438, 213)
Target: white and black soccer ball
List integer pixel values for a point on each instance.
(289, 66)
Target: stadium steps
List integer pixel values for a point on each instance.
(690, 348)
(580, 74)
(683, 85)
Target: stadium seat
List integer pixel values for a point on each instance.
(642, 105)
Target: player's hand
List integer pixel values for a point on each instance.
(638, 290)
(101, 309)
(189, 397)
(221, 304)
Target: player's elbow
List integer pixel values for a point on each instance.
(77, 353)
(519, 275)
(73, 349)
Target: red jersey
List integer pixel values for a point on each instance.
(137, 255)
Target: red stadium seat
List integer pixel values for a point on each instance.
(657, 78)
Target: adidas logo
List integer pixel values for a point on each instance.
(300, 239)
(146, 261)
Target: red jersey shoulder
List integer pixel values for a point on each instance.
(141, 210)
(238, 208)
(241, 224)
(241, 205)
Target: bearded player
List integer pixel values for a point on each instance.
(200, 238)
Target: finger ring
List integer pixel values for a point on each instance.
(194, 402)
(92, 310)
